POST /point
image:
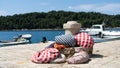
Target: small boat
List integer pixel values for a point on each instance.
(99, 30)
(100, 34)
(20, 39)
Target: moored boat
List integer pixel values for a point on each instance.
(20, 39)
(99, 30)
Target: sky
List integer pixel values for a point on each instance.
(11, 7)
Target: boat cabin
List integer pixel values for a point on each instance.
(95, 29)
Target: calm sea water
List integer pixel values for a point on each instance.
(36, 34)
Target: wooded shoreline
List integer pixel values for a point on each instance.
(56, 19)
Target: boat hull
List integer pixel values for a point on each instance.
(20, 39)
(111, 33)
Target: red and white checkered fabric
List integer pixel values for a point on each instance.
(84, 40)
(45, 56)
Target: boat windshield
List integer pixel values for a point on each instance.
(95, 27)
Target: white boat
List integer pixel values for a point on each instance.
(99, 30)
(20, 39)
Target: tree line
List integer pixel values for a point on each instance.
(56, 19)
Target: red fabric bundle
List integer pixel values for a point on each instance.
(84, 40)
(59, 46)
(45, 56)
